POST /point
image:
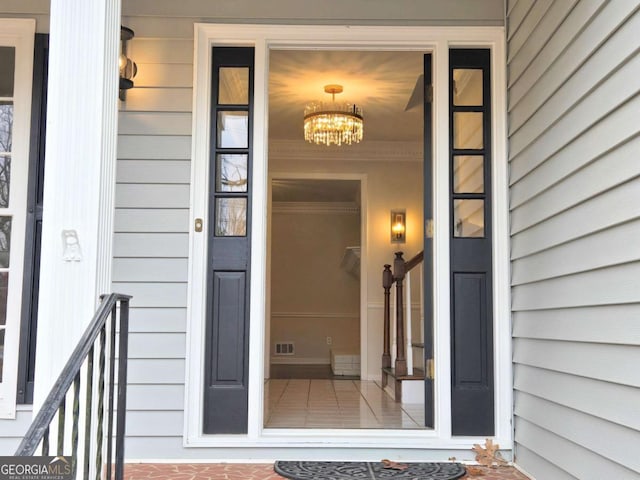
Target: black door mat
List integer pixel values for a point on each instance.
(367, 471)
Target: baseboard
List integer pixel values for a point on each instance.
(292, 360)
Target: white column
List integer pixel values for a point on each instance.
(79, 177)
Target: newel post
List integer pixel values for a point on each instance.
(387, 282)
(398, 276)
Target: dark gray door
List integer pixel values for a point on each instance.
(229, 240)
(428, 245)
(472, 396)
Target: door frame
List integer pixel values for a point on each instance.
(362, 179)
(437, 40)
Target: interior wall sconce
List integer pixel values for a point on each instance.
(398, 226)
(128, 68)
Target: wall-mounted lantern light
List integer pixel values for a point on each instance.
(128, 68)
(398, 226)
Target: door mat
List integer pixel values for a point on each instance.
(368, 470)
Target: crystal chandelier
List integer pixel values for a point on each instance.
(332, 123)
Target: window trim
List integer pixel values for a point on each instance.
(18, 33)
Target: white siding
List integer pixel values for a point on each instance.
(12, 431)
(152, 191)
(151, 234)
(575, 224)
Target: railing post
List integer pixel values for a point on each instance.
(123, 354)
(398, 276)
(387, 282)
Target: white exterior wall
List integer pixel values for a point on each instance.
(573, 70)
(151, 234)
(152, 193)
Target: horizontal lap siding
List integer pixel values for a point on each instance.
(12, 431)
(574, 146)
(151, 242)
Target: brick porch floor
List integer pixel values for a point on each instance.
(260, 471)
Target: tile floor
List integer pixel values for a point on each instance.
(260, 471)
(323, 403)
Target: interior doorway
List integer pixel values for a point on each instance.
(315, 278)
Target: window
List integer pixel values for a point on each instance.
(16, 57)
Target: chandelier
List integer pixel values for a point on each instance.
(332, 123)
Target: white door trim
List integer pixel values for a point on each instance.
(438, 40)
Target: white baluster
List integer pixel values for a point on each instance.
(394, 309)
(408, 324)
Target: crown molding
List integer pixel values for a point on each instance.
(365, 151)
(333, 208)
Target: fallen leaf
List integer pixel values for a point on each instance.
(489, 456)
(393, 465)
(474, 472)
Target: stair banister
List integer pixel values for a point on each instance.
(387, 282)
(398, 276)
(397, 334)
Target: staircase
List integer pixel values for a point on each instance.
(403, 357)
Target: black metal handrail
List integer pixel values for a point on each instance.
(55, 402)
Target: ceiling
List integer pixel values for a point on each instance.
(380, 82)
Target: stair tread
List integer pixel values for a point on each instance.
(418, 374)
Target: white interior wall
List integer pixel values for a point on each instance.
(312, 297)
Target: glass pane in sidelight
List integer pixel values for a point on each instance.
(5, 180)
(468, 174)
(5, 241)
(468, 218)
(233, 129)
(467, 87)
(231, 172)
(233, 86)
(231, 217)
(6, 125)
(467, 130)
(7, 70)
